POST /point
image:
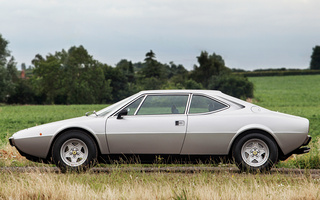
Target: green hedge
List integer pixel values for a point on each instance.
(278, 73)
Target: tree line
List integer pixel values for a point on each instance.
(73, 76)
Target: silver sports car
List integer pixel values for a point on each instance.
(178, 125)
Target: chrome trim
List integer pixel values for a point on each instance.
(240, 105)
(188, 103)
(115, 113)
(210, 97)
(138, 108)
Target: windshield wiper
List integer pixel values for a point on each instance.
(93, 112)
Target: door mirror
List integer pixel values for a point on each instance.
(121, 113)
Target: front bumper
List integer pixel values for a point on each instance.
(11, 141)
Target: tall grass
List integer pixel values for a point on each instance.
(136, 185)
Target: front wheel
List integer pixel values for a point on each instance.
(74, 151)
(255, 152)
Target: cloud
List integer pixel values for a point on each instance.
(247, 33)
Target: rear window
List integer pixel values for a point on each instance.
(202, 104)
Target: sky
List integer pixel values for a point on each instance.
(248, 34)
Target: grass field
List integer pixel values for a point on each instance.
(296, 95)
(14, 118)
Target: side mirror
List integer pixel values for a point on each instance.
(121, 113)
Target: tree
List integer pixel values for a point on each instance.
(153, 67)
(213, 74)
(176, 76)
(209, 65)
(12, 70)
(151, 83)
(5, 84)
(71, 77)
(150, 57)
(173, 70)
(126, 67)
(234, 85)
(315, 58)
(23, 93)
(12, 89)
(47, 77)
(118, 82)
(4, 52)
(7, 71)
(191, 84)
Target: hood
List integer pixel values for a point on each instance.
(52, 128)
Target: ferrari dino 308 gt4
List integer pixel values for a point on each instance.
(181, 125)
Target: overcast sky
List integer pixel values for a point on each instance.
(248, 34)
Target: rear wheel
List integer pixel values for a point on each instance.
(255, 152)
(74, 151)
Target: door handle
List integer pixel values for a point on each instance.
(179, 123)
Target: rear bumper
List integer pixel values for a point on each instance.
(306, 142)
(302, 150)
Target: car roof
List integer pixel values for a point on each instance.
(213, 92)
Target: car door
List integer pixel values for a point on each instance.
(155, 124)
(208, 127)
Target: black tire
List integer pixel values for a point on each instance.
(74, 150)
(255, 152)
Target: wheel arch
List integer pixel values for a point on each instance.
(49, 156)
(253, 130)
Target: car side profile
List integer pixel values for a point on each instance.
(180, 125)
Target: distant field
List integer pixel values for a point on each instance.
(297, 95)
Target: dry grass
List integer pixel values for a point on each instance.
(9, 156)
(136, 185)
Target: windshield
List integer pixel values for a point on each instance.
(110, 108)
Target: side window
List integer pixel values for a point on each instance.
(202, 104)
(133, 106)
(163, 104)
